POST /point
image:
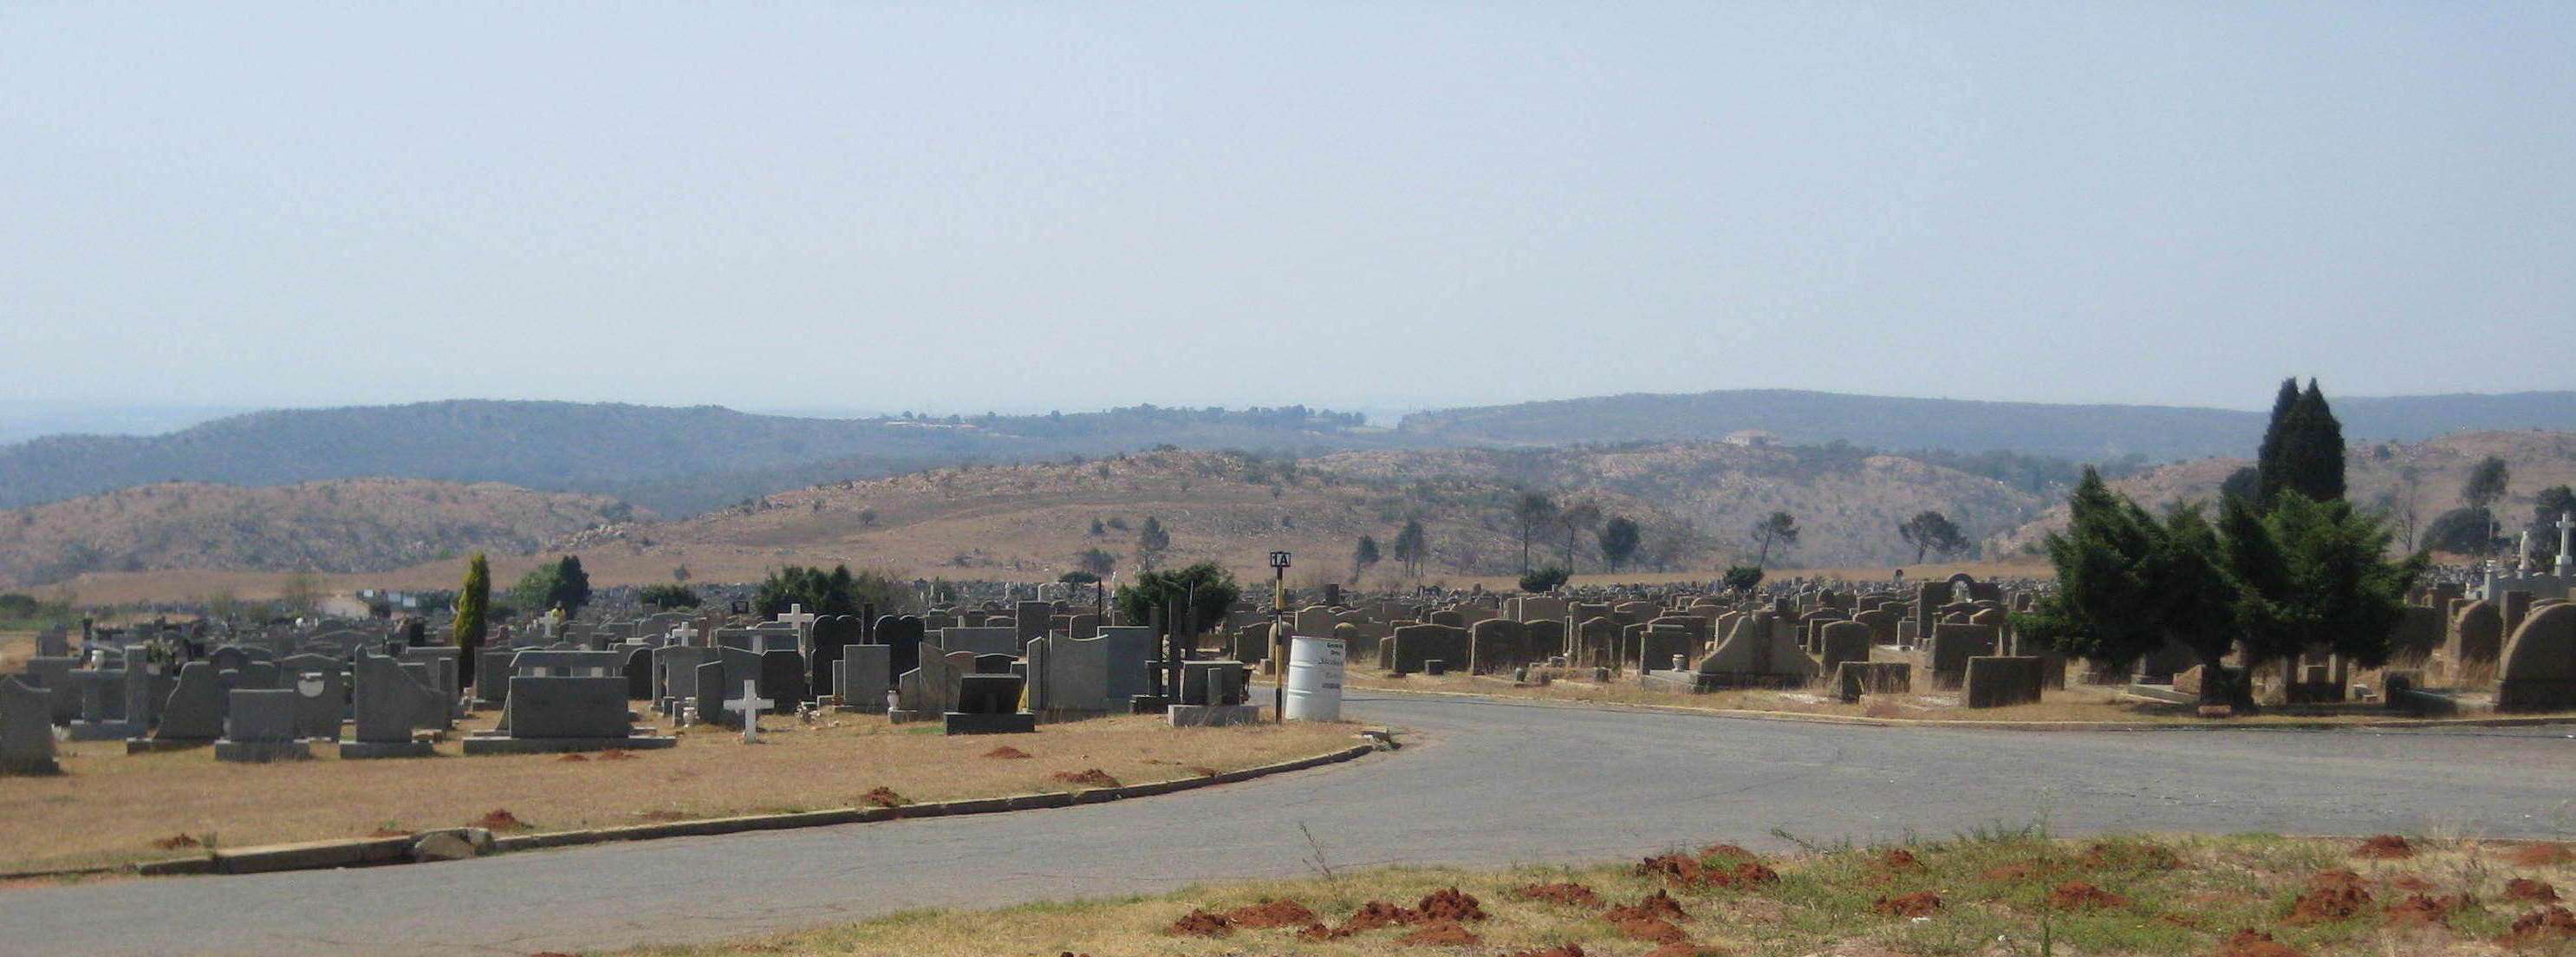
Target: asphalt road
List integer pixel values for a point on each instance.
(1484, 782)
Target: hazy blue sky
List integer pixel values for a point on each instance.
(958, 207)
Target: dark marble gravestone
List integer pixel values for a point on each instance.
(990, 704)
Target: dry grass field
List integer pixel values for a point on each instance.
(1998, 892)
(110, 807)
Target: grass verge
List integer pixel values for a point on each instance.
(1998, 892)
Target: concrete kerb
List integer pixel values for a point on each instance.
(372, 851)
(1962, 725)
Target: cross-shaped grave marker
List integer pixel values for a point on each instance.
(682, 634)
(751, 704)
(804, 621)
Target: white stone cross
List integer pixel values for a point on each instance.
(683, 634)
(797, 615)
(2566, 544)
(751, 704)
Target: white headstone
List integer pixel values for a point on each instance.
(751, 704)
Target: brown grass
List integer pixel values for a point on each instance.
(111, 807)
(2219, 896)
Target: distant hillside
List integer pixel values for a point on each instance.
(2411, 482)
(350, 525)
(2079, 432)
(1696, 502)
(673, 460)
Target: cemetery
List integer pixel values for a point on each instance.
(153, 741)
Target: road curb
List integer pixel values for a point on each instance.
(373, 851)
(1961, 725)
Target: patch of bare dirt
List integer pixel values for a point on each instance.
(2385, 847)
(1006, 752)
(2329, 899)
(1200, 923)
(2526, 889)
(1573, 894)
(1087, 777)
(177, 841)
(1917, 904)
(500, 819)
(884, 797)
(2419, 910)
(1900, 859)
(2540, 855)
(1651, 930)
(1285, 913)
(619, 754)
(2253, 943)
(2078, 895)
(1441, 934)
(1655, 906)
(1376, 914)
(2548, 923)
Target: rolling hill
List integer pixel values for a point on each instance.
(352, 525)
(672, 460)
(2080, 432)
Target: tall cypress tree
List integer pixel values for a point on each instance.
(2316, 454)
(473, 604)
(2302, 449)
(2267, 457)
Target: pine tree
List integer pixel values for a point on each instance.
(2129, 584)
(1363, 556)
(2302, 449)
(473, 606)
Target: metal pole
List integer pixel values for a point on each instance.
(1278, 645)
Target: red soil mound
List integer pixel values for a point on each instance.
(2385, 847)
(1651, 930)
(1199, 923)
(1575, 894)
(2078, 895)
(617, 754)
(1287, 913)
(1376, 914)
(1655, 906)
(2548, 923)
(1006, 751)
(2329, 902)
(500, 820)
(2517, 889)
(1451, 904)
(1900, 859)
(1441, 934)
(2418, 910)
(177, 841)
(1917, 904)
(884, 797)
(572, 756)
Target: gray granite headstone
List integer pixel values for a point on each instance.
(863, 677)
(547, 707)
(391, 703)
(195, 709)
(26, 729)
(259, 725)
